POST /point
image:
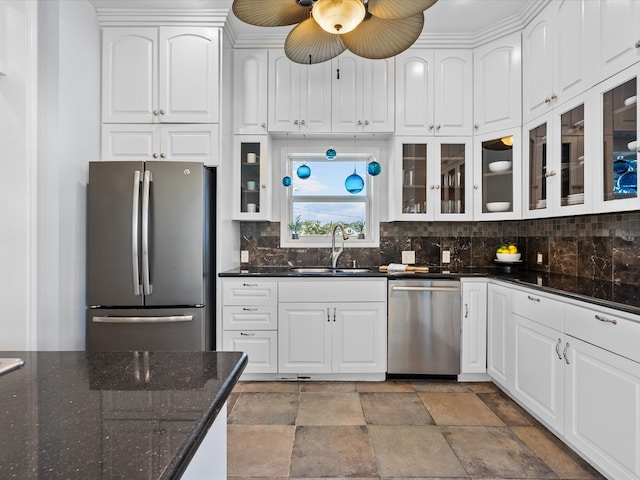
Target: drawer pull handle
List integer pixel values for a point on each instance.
(249, 284)
(247, 334)
(328, 314)
(533, 299)
(564, 353)
(245, 309)
(607, 320)
(558, 349)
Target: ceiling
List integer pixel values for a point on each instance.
(451, 22)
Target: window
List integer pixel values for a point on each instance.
(313, 206)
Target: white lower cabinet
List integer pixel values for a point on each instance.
(332, 326)
(499, 337)
(474, 328)
(260, 346)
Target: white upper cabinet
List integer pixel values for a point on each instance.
(250, 92)
(299, 95)
(619, 35)
(557, 56)
(434, 92)
(497, 91)
(362, 96)
(160, 74)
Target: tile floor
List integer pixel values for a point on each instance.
(389, 430)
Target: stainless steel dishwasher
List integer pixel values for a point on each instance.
(424, 327)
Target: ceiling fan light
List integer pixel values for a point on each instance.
(338, 16)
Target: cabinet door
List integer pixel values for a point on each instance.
(499, 336)
(378, 95)
(359, 337)
(496, 185)
(497, 85)
(537, 66)
(304, 338)
(346, 95)
(284, 93)
(414, 92)
(315, 97)
(260, 346)
(188, 71)
(190, 143)
(249, 317)
(539, 167)
(602, 420)
(619, 36)
(453, 102)
(452, 196)
(130, 142)
(539, 370)
(251, 178)
(250, 92)
(129, 74)
(474, 328)
(412, 158)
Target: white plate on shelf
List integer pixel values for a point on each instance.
(500, 166)
(498, 206)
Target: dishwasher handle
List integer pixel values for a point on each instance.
(424, 289)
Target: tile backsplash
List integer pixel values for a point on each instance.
(603, 247)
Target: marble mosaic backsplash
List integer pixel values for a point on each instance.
(601, 247)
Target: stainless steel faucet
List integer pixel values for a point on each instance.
(335, 254)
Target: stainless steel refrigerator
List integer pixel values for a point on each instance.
(150, 256)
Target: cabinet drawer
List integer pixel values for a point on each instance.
(538, 308)
(603, 329)
(250, 292)
(253, 317)
(261, 347)
(333, 290)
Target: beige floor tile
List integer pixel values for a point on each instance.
(330, 409)
(275, 387)
(394, 409)
(495, 452)
(388, 386)
(459, 409)
(332, 451)
(413, 451)
(259, 450)
(440, 387)
(509, 411)
(482, 387)
(231, 401)
(340, 387)
(238, 387)
(562, 460)
(265, 409)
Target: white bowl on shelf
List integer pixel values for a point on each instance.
(498, 206)
(508, 257)
(500, 166)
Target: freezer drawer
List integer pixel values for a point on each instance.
(158, 329)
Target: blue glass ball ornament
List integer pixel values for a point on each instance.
(286, 181)
(354, 183)
(374, 168)
(303, 171)
(330, 153)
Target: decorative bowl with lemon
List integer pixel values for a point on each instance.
(508, 253)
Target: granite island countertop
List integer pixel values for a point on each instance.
(619, 296)
(90, 415)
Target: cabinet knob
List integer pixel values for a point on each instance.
(264, 185)
(638, 44)
(162, 112)
(476, 187)
(295, 122)
(302, 122)
(263, 125)
(366, 122)
(476, 126)
(155, 112)
(162, 155)
(431, 127)
(553, 96)
(438, 127)
(155, 155)
(547, 100)
(359, 122)
(437, 187)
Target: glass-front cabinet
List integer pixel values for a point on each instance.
(497, 175)
(433, 179)
(556, 181)
(617, 176)
(251, 188)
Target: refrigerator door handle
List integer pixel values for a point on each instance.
(135, 207)
(167, 319)
(146, 283)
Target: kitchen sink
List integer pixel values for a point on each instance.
(329, 270)
(9, 364)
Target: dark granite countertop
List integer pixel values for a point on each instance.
(619, 296)
(129, 415)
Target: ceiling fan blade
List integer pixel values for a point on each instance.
(308, 43)
(392, 9)
(271, 13)
(377, 38)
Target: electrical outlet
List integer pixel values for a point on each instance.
(446, 256)
(539, 258)
(409, 257)
(244, 256)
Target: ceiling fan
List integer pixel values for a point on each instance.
(372, 29)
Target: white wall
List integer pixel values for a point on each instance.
(69, 137)
(17, 165)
